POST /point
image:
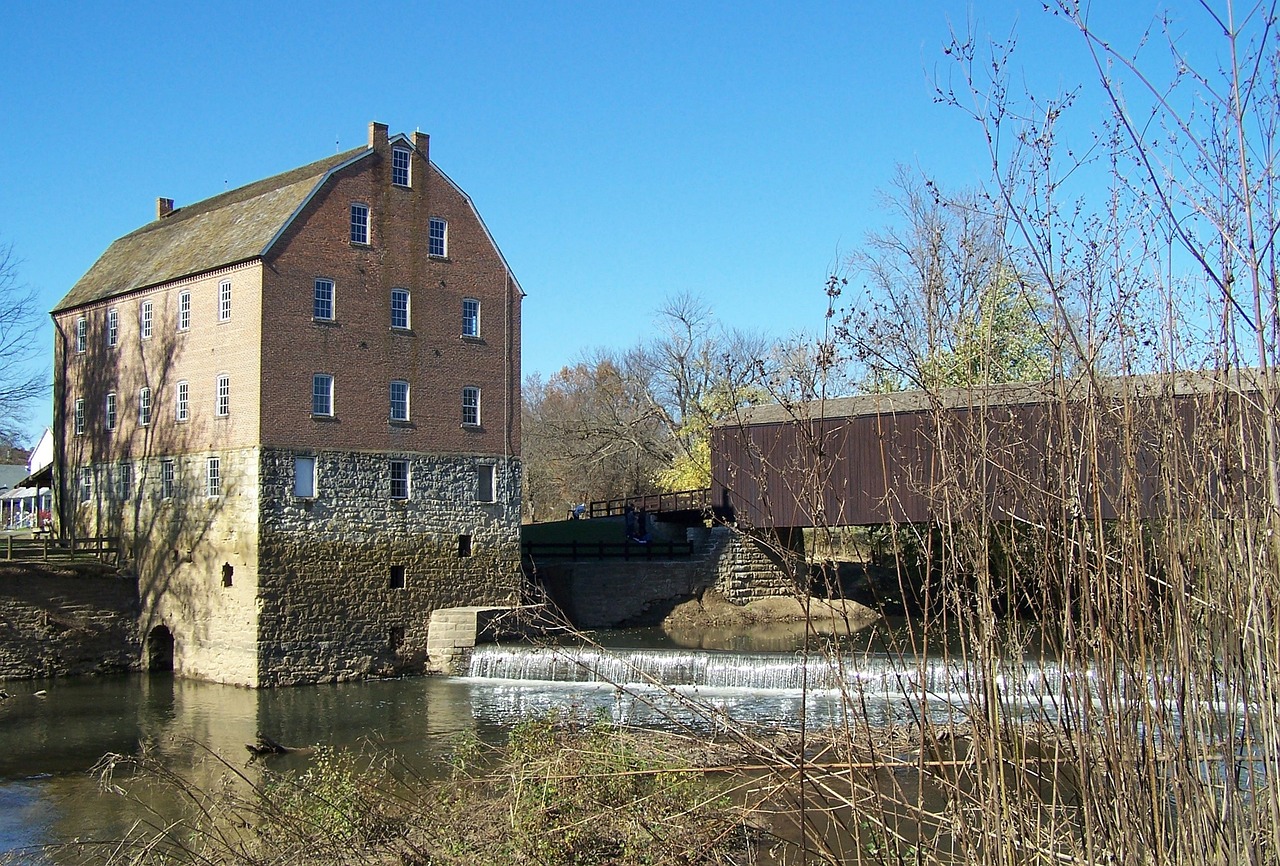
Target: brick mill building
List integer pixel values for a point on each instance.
(298, 405)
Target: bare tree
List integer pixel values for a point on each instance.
(698, 374)
(22, 377)
(628, 423)
(944, 300)
(591, 431)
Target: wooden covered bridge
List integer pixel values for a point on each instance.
(1132, 447)
(1128, 447)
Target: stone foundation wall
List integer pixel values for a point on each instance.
(348, 578)
(745, 572)
(66, 620)
(612, 593)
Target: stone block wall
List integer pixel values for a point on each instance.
(350, 576)
(745, 571)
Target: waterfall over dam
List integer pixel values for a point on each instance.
(640, 685)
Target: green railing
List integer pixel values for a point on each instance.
(608, 549)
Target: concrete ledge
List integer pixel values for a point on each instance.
(454, 630)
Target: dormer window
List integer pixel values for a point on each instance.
(400, 166)
(359, 224)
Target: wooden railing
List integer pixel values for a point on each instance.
(46, 547)
(608, 549)
(654, 503)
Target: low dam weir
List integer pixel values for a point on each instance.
(639, 686)
(706, 689)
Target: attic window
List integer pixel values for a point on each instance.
(400, 166)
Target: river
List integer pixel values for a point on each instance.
(52, 732)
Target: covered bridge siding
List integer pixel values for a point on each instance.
(1135, 447)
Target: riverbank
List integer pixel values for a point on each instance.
(67, 619)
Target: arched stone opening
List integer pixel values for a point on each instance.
(160, 649)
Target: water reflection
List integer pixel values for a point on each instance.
(48, 743)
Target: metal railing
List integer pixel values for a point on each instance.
(654, 503)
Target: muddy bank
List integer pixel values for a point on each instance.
(66, 620)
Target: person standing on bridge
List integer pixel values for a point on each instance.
(629, 518)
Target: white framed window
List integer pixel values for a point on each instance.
(82, 334)
(168, 479)
(111, 412)
(124, 481)
(79, 416)
(222, 397)
(400, 309)
(486, 488)
(470, 317)
(113, 328)
(183, 405)
(144, 407)
(400, 166)
(145, 317)
(359, 223)
(438, 237)
(399, 479)
(184, 311)
(304, 476)
(322, 307)
(224, 300)
(399, 400)
(471, 407)
(322, 395)
(213, 477)
(86, 484)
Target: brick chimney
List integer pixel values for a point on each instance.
(378, 135)
(164, 207)
(422, 144)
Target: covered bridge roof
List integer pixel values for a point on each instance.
(1012, 394)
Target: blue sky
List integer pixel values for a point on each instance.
(619, 152)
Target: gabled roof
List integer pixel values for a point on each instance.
(232, 227)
